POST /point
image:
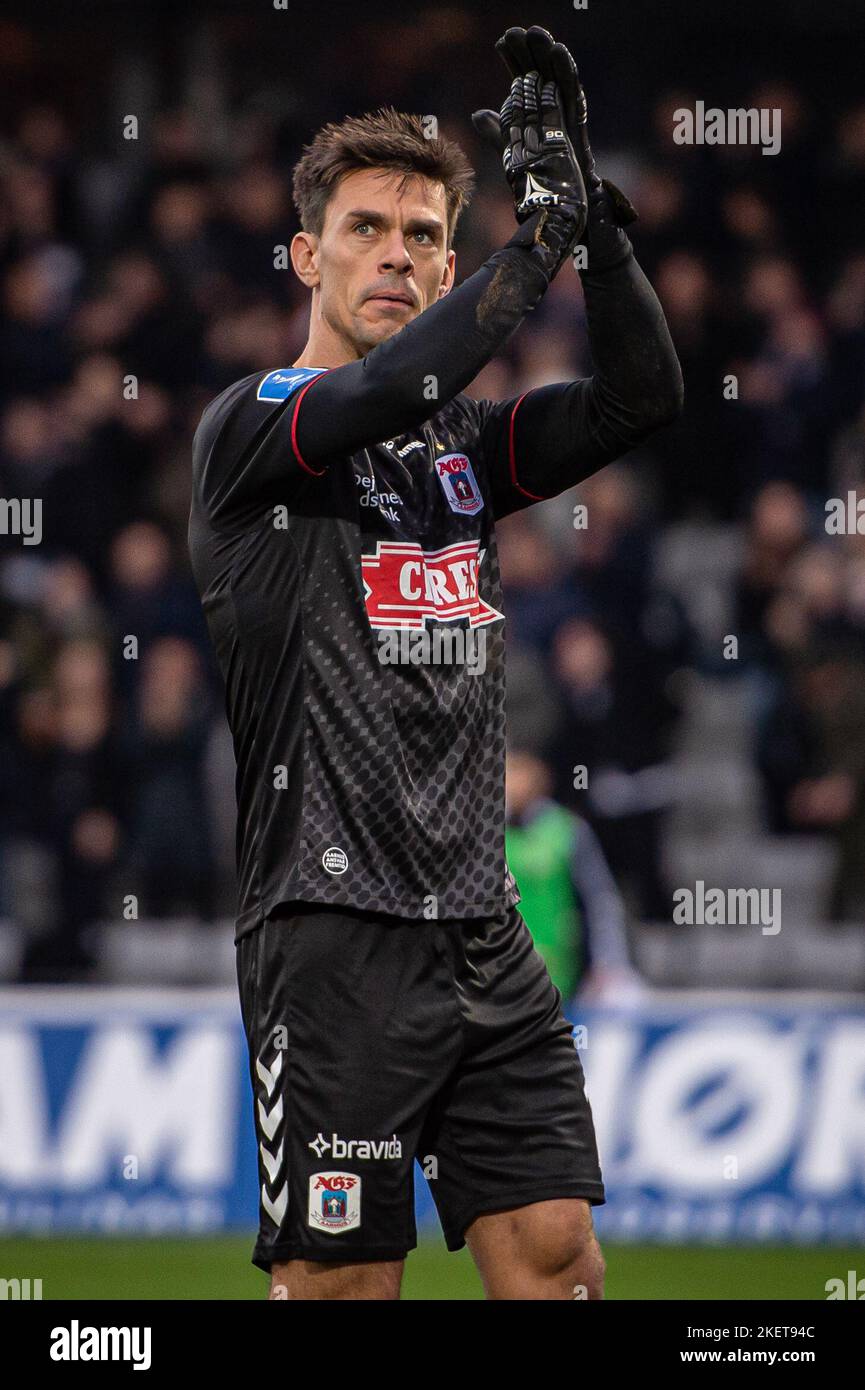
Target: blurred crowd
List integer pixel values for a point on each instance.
(135, 286)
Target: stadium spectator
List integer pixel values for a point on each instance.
(570, 901)
(168, 862)
(811, 753)
(611, 752)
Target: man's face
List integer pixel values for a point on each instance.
(382, 256)
(526, 779)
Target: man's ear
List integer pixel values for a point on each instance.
(447, 280)
(304, 258)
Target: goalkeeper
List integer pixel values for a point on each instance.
(393, 1003)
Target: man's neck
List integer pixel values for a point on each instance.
(325, 347)
(313, 356)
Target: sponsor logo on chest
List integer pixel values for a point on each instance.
(385, 502)
(405, 584)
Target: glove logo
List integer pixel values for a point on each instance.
(536, 196)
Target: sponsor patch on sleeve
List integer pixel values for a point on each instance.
(279, 385)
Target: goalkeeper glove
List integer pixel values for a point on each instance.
(540, 166)
(608, 208)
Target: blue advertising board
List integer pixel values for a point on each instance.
(730, 1123)
(130, 1112)
(124, 1111)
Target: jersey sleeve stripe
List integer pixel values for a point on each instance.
(512, 464)
(315, 472)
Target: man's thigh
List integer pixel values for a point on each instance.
(351, 1027)
(512, 1126)
(308, 1279)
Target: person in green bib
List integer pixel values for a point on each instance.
(569, 899)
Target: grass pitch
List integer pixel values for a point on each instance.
(219, 1268)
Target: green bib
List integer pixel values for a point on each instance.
(539, 856)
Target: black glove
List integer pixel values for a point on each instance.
(541, 167)
(608, 208)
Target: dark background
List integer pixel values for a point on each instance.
(155, 257)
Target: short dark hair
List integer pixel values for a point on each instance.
(385, 139)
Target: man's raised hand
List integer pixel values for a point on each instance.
(537, 155)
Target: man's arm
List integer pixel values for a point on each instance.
(250, 443)
(549, 439)
(407, 378)
(606, 939)
(539, 444)
(269, 430)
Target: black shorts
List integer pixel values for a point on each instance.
(374, 1041)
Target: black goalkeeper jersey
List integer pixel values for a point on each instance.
(369, 773)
